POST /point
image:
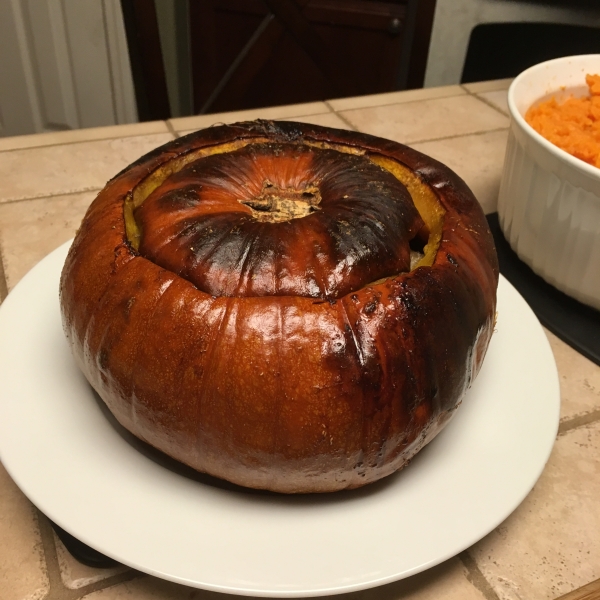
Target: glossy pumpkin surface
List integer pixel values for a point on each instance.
(281, 305)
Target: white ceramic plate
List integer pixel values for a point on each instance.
(93, 480)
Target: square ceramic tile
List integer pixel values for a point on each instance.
(31, 229)
(498, 99)
(550, 544)
(488, 86)
(22, 566)
(38, 172)
(188, 124)
(76, 575)
(477, 159)
(325, 120)
(395, 97)
(448, 581)
(82, 135)
(579, 381)
(427, 119)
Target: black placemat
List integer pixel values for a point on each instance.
(83, 553)
(573, 322)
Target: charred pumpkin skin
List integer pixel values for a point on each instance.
(289, 391)
(280, 219)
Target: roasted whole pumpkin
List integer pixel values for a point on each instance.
(281, 305)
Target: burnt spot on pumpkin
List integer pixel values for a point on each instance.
(371, 306)
(103, 358)
(281, 217)
(128, 305)
(451, 259)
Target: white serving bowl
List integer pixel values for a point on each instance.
(549, 203)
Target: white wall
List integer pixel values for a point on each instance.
(63, 65)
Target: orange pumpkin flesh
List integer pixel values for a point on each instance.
(243, 299)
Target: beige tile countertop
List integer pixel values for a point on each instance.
(548, 547)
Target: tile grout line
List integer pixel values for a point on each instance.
(578, 421)
(50, 195)
(451, 137)
(103, 584)
(188, 130)
(427, 140)
(58, 590)
(476, 578)
(396, 103)
(487, 102)
(55, 584)
(172, 130)
(100, 139)
(339, 116)
(331, 109)
(170, 127)
(3, 281)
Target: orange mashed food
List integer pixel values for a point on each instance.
(573, 125)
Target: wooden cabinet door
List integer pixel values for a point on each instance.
(253, 53)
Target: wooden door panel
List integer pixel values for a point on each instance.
(232, 91)
(355, 13)
(290, 81)
(364, 72)
(239, 27)
(255, 53)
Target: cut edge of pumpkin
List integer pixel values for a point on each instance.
(424, 198)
